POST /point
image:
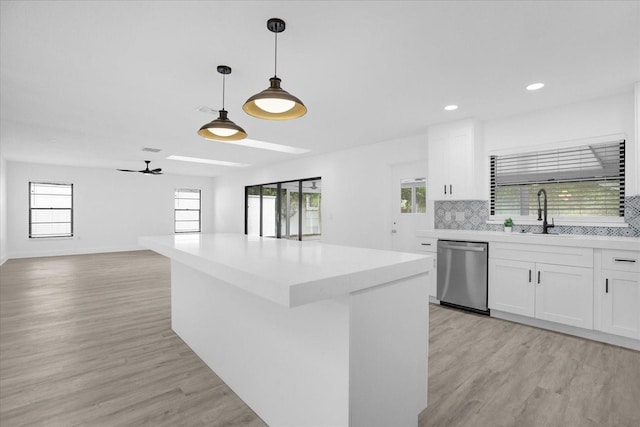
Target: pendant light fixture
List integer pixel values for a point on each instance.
(275, 103)
(222, 129)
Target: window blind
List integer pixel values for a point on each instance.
(187, 211)
(50, 210)
(579, 181)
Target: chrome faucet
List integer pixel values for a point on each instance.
(545, 224)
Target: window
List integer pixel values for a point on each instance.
(585, 181)
(288, 209)
(187, 211)
(413, 196)
(50, 209)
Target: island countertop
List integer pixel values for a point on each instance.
(288, 272)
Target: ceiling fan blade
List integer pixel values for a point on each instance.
(146, 170)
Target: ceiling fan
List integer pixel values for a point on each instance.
(157, 171)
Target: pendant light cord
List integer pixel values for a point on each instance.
(275, 62)
(223, 77)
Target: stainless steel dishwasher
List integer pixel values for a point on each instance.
(463, 274)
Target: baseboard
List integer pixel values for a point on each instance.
(84, 251)
(3, 260)
(570, 330)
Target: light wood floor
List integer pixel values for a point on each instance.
(86, 340)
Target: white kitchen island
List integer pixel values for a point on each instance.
(306, 333)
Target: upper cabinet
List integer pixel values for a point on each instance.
(454, 155)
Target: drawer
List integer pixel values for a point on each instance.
(621, 260)
(426, 244)
(549, 254)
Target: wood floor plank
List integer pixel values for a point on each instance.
(87, 341)
(524, 376)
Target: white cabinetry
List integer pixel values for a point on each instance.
(430, 246)
(564, 294)
(617, 293)
(510, 286)
(454, 152)
(553, 283)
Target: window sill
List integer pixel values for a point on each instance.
(53, 238)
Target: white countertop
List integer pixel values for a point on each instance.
(576, 240)
(287, 272)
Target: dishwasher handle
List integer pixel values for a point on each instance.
(463, 248)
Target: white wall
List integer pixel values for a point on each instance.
(111, 208)
(356, 190)
(566, 125)
(3, 210)
(637, 120)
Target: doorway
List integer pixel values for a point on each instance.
(409, 210)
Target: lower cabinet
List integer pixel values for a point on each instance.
(511, 287)
(557, 293)
(564, 294)
(430, 246)
(620, 303)
(617, 293)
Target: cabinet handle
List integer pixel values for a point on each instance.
(606, 286)
(450, 189)
(529, 276)
(425, 244)
(538, 277)
(445, 189)
(624, 260)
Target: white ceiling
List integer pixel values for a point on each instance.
(92, 83)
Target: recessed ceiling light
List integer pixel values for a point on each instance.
(535, 86)
(451, 107)
(208, 161)
(270, 146)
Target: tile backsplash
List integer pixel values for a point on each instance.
(474, 214)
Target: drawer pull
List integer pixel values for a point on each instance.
(624, 260)
(425, 244)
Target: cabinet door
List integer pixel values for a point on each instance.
(433, 279)
(619, 292)
(511, 286)
(460, 155)
(438, 169)
(564, 295)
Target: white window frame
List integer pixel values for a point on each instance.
(582, 221)
(413, 184)
(31, 209)
(175, 210)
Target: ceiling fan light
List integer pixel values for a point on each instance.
(222, 129)
(274, 103)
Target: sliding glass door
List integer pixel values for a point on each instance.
(288, 209)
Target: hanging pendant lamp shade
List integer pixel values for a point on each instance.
(222, 129)
(275, 103)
